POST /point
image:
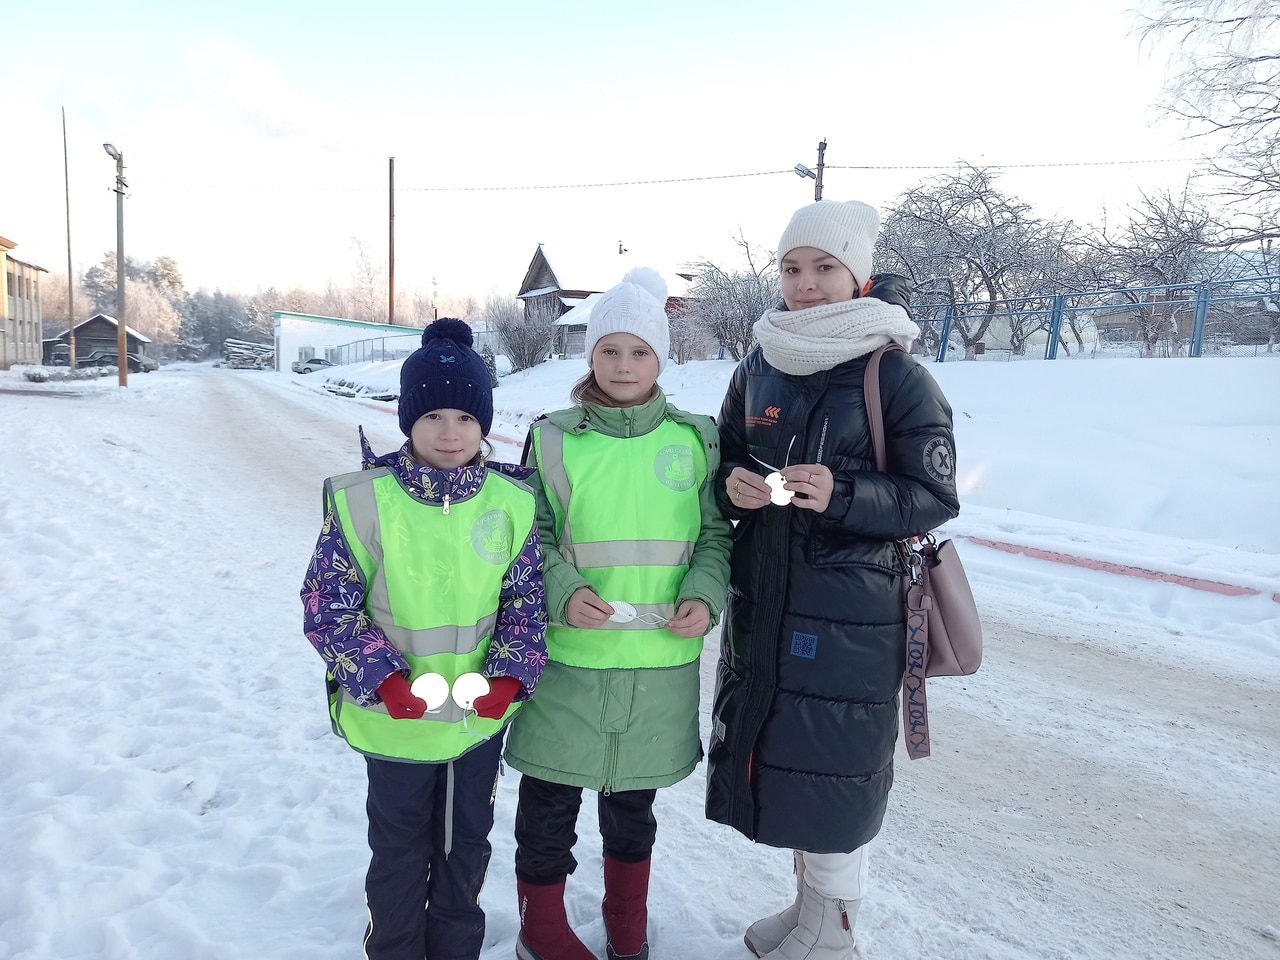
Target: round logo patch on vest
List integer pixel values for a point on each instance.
(939, 461)
(491, 536)
(674, 467)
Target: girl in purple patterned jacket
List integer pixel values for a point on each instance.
(424, 596)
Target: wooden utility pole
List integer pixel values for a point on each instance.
(71, 283)
(391, 243)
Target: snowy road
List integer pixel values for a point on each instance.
(171, 789)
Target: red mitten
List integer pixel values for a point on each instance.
(399, 699)
(502, 690)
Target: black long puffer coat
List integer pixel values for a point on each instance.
(805, 715)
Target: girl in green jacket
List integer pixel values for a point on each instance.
(636, 565)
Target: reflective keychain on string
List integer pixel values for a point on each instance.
(775, 480)
(624, 612)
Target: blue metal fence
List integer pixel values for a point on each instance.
(1209, 318)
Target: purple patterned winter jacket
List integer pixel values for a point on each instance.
(357, 652)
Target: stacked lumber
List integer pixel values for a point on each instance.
(245, 355)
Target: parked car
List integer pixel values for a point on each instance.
(311, 365)
(103, 358)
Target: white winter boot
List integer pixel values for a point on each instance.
(766, 933)
(823, 931)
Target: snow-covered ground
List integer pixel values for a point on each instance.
(1105, 788)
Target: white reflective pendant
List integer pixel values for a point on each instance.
(776, 493)
(432, 688)
(469, 688)
(623, 612)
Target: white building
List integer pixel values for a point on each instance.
(300, 336)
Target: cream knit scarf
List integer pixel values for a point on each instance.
(801, 342)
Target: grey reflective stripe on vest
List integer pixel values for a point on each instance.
(553, 474)
(362, 506)
(448, 712)
(423, 643)
(631, 553)
(359, 489)
(603, 553)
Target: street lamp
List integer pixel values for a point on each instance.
(122, 339)
(803, 171)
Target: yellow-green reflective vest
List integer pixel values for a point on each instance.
(432, 584)
(631, 523)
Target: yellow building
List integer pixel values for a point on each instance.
(21, 331)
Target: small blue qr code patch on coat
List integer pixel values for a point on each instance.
(804, 645)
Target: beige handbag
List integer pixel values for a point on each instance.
(944, 633)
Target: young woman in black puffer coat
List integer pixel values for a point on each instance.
(814, 641)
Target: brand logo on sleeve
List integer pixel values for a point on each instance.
(939, 460)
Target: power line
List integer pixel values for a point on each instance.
(935, 168)
(1029, 166)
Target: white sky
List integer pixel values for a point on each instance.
(1104, 788)
(256, 135)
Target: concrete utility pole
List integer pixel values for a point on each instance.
(817, 183)
(803, 171)
(122, 338)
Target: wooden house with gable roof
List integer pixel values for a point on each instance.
(569, 296)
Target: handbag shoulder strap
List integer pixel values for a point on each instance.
(871, 396)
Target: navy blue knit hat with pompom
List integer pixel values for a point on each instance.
(445, 373)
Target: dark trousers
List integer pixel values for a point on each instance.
(545, 828)
(422, 902)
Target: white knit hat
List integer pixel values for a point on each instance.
(638, 306)
(845, 229)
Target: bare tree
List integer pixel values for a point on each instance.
(726, 304)
(1167, 246)
(464, 307)
(525, 335)
(968, 246)
(691, 339)
(1226, 85)
(368, 292)
(54, 309)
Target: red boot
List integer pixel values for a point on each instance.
(544, 928)
(626, 909)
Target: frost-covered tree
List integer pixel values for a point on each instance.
(491, 363)
(100, 281)
(164, 275)
(151, 314)
(1225, 83)
(525, 335)
(208, 319)
(258, 309)
(56, 314)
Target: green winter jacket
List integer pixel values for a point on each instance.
(620, 728)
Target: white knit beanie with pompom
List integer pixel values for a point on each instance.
(638, 306)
